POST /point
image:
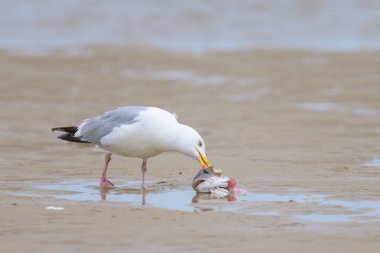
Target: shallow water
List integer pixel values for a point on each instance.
(326, 208)
(191, 27)
(373, 163)
(337, 108)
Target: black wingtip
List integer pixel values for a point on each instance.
(71, 138)
(69, 134)
(69, 129)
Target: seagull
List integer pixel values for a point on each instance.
(137, 131)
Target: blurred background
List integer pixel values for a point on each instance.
(191, 26)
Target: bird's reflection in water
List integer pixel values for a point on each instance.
(208, 198)
(175, 199)
(103, 192)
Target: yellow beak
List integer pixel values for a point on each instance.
(204, 162)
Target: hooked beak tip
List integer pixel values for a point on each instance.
(203, 161)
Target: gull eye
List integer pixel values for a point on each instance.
(200, 144)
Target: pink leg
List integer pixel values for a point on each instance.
(104, 182)
(143, 171)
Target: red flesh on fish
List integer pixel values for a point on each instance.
(231, 184)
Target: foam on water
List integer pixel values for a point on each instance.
(326, 208)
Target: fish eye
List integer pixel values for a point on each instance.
(200, 144)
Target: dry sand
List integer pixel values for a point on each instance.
(278, 121)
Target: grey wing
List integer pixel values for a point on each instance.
(94, 129)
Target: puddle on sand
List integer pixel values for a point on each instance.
(373, 163)
(324, 208)
(335, 107)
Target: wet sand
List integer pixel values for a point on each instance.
(284, 123)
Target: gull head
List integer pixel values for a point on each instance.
(191, 144)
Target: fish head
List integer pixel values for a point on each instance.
(207, 179)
